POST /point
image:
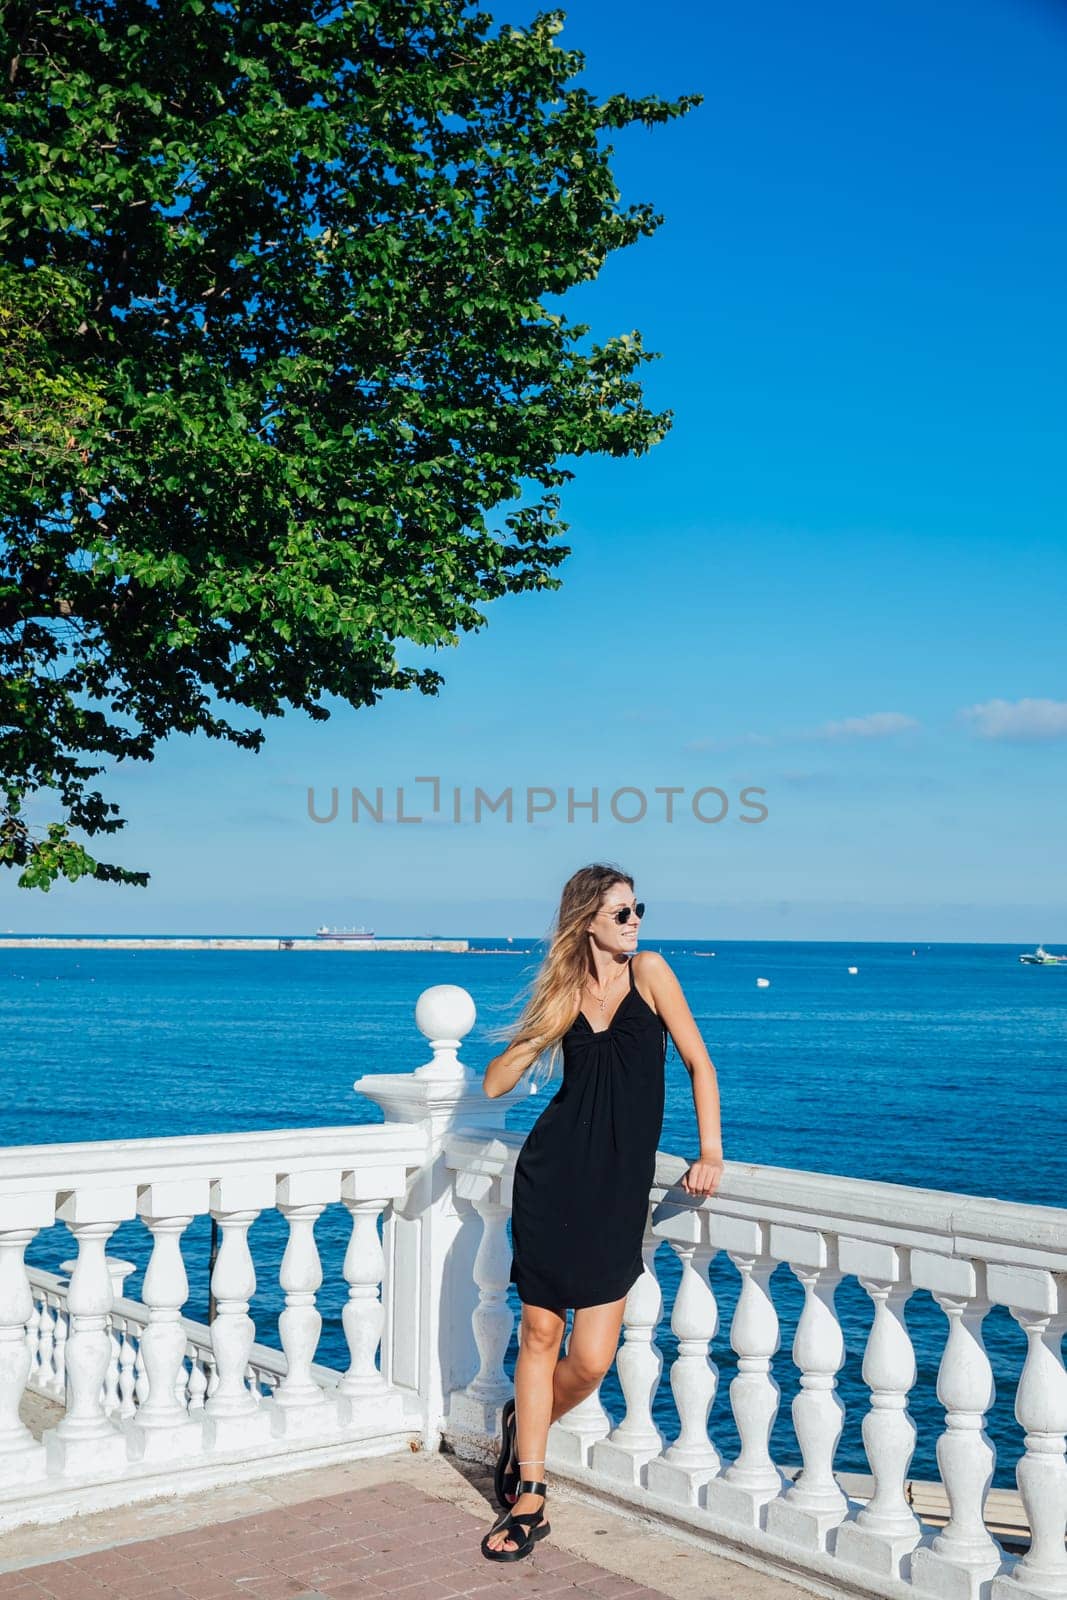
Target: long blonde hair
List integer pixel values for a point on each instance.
(555, 992)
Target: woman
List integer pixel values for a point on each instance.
(583, 1175)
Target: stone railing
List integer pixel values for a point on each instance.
(152, 1398)
(147, 1392)
(971, 1254)
(153, 1401)
(126, 1382)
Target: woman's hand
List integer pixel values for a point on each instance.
(703, 1176)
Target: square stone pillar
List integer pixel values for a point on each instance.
(428, 1288)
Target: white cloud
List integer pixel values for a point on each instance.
(876, 725)
(736, 742)
(1018, 719)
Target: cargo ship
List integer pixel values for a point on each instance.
(346, 934)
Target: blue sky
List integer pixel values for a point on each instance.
(840, 579)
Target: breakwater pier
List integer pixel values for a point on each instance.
(222, 942)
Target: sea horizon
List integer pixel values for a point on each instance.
(523, 938)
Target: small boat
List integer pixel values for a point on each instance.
(1043, 958)
(344, 933)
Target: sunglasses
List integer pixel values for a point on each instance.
(624, 913)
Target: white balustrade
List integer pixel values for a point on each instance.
(970, 1253)
(154, 1401)
(143, 1389)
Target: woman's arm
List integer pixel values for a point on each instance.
(704, 1173)
(505, 1070)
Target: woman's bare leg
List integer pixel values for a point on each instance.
(547, 1387)
(590, 1351)
(540, 1333)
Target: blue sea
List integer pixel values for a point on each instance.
(942, 1066)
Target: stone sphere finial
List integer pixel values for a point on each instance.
(445, 1013)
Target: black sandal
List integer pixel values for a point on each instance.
(525, 1527)
(505, 1482)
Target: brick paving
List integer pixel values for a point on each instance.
(386, 1539)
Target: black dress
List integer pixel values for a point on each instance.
(583, 1175)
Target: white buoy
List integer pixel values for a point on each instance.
(763, 983)
(853, 970)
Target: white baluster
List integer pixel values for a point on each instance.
(1038, 1302)
(963, 1556)
(61, 1319)
(118, 1271)
(752, 1480)
(33, 1342)
(22, 1459)
(683, 1470)
(46, 1347)
(299, 1403)
(127, 1373)
(883, 1533)
(493, 1320)
(231, 1416)
(363, 1397)
(140, 1372)
(109, 1397)
(363, 1315)
(475, 1408)
(85, 1439)
(162, 1428)
(197, 1380)
(629, 1446)
(814, 1504)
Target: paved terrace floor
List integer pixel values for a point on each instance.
(406, 1525)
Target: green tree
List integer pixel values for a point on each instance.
(276, 348)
